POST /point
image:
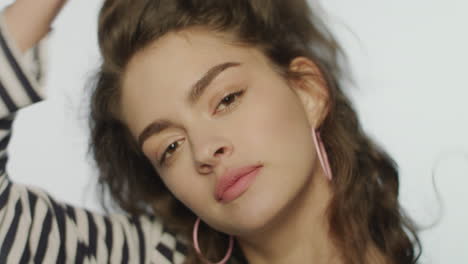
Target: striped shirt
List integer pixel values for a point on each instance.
(36, 228)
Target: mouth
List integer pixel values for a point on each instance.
(235, 182)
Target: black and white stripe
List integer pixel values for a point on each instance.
(36, 228)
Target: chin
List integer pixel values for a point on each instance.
(254, 213)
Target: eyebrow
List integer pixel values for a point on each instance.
(193, 97)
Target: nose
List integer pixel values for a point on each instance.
(209, 152)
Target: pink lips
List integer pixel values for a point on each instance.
(235, 182)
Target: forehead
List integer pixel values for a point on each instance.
(189, 53)
(168, 68)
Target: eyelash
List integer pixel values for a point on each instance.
(230, 105)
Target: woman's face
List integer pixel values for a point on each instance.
(205, 108)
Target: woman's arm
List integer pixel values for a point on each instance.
(23, 24)
(29, 20)
(36, 228)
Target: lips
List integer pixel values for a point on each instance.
(234, 182)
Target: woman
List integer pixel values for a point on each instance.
(230, 113)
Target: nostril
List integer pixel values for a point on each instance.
(219, 151)
(205, 168)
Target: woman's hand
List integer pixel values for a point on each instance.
(28, 21)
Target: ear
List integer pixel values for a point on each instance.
(311, 88)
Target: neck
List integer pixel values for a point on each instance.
(301, 233)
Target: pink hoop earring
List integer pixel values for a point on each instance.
(197, 248)
(322, 153)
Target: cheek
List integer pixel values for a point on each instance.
(278, 121)
(187, 186)
(280, 136)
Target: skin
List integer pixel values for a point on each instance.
(281, 217)
(39, 13)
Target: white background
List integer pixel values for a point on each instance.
(410, 65)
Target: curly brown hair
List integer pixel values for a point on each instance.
(364, 209)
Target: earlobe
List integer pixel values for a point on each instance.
(311, 89)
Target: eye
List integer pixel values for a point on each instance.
(169, 151)
(229, 100)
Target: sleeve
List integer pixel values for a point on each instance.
(36, 228)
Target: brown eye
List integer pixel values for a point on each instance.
(169, 151)
(228, 100)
